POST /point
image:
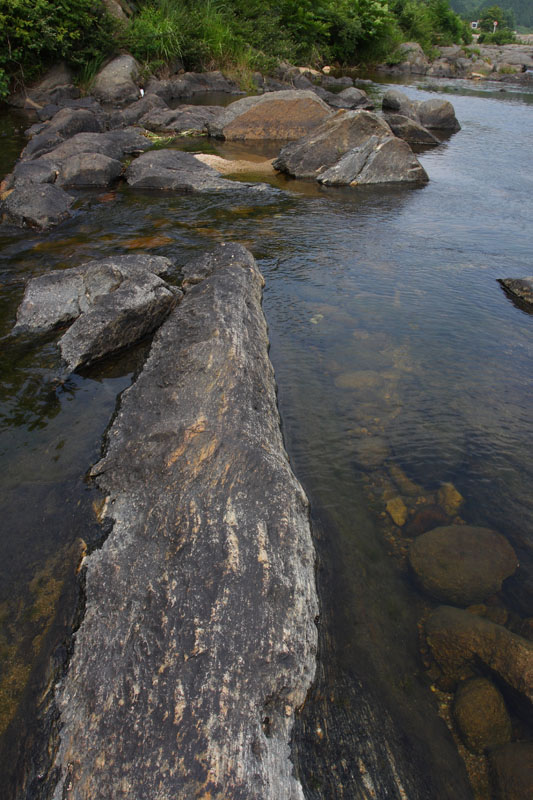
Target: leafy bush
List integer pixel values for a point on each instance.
(36, 33)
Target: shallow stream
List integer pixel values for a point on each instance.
(400, 363)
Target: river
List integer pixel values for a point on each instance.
(395, 287)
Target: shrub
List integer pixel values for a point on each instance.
(35, 33)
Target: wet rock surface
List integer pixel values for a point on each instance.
(512, 771)
(387, 161)
(39, 206)
(174, 170)
(275, 115)
(520, 288)
(462, 564)
(433, 114)
(409, 130)
(198, 640)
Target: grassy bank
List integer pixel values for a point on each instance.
(206, 34)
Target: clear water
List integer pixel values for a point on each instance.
(394, 348)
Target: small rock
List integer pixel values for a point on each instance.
(397, 511)
(481, 716)
(426, 519)
(521, 288)
(449, 499)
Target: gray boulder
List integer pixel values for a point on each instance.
(65, 124)
(37, 205)
(330, 82)
(325, 145)
(396, 102)
(184, 119)
(377, 161)
(117, 81)
(118, 319)
(409, 130)
(462, 564)
(519, 288)
(350, 98)
(89, 169)
(133, 113)
(200, 605)
(39, 171)
(58, 297)
(176, 171)
(438, 114)
(56, 85)
(275, 115)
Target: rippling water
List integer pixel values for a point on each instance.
(394, 348)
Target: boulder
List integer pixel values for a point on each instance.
(39, 171)
(412, 58)
(481, 715)
(396, 102)
(330, 82)
(133, 113)
(200, 605)
(323, 147)
(519, 288)
(59, 296)
(37, 205)
(409, 130)
(65, 124)
(425, 519)
(176, 171)
(460, 641)
(89, 169)
(275, 115)
(462, 564)
(113, 144)
(438, 114)
(118, 319)
(377, 161)
(350, 98)
(56, 85)
(184, 119)
(511, 771)
(117, 81)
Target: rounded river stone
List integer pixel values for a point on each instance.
(481, 716)
(462, 564)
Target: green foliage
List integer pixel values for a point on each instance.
(503, 36)
(35, 33)
(429, 22)
(495, 14)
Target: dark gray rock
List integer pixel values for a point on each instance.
(117, 81)
(133, 113)
(59, 296)
(65, 124)
(409, 130)
(376, 161)
(520, 288)
(325, 145)
(438, 114)
(176, 171)
(118, 319)
(351, 98)
(37, 205)
(184, 119)
(39, 171)
(89, 169)
(396, 102)
(198, 640)
(113, 144)
(274, 115)
(330, 82)
(462, 564)
(56, 85)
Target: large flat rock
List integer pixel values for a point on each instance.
(198, 640)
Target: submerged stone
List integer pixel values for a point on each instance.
(462, 564)
(481, 715)
(511, 768)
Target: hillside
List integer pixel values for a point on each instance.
(521, 9)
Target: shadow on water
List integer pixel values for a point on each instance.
(401, 367)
